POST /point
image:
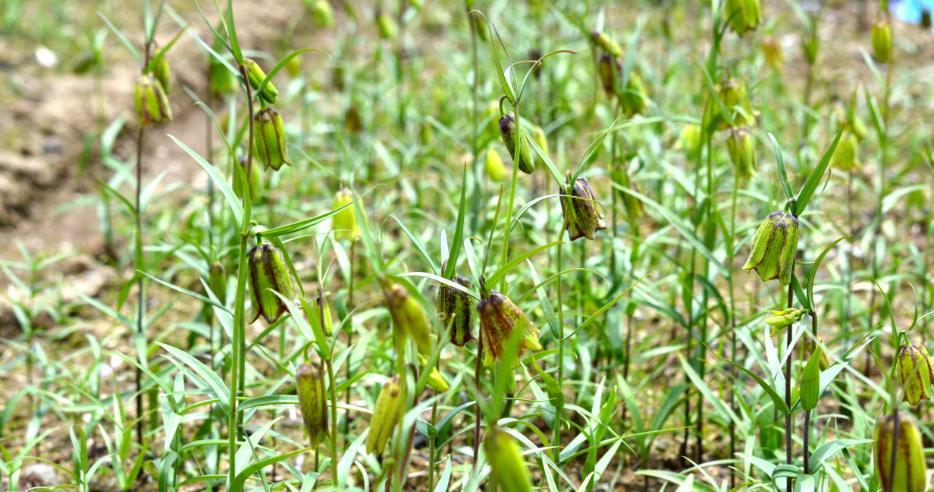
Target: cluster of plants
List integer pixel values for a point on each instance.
(491, 245)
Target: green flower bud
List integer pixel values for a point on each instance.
(321, 12)
(269, 139)
(607, 44)
(910, 470)
(581, 211)
(882, 41)
(846, 157)
(312, 400)
(390, 406)
(690, 138)
(772, 52)
(160, 69)
(742, 149)
(436, 380)
(635, 98)
(783, 318)
(494, 167)
(540, 138)
(743, 15)
(344, 223)
(498, 318)
(915, 372)
(455, 309)
(256, 180)
(774, 248)
(408, 317)
(387, 26)
(152, 105)
(220, 78)
(268, 272)
(256, 76)
(507, 468)
(732, 92)
(318, 311)
(511, 134)
(217, 280)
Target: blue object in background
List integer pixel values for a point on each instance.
(910, 10)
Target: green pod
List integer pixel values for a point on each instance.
(312, 400)
(846, 157)
(493, 166)
(321, 12)
(882, 41)
(268, 272)
(774, 248)
(743, 15)
(608, 70)
(390, 406)
(455, 310)
(512, 135)
(160, 69)
(152, 104)
(386, 26)
(344, 223)
(582, 216)
(910, 469)
(318, 313)
(742, 150)
(408, 318)
(507, 468)
(269, 144)
(256, 76)
(607, 44)
(915, 373)
(217, 280)
(499, 316)
(634, 98)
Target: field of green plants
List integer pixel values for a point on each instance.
(466, 245)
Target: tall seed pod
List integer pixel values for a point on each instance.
(742, 150)
(455, 309)
(498, 318)
(390, 406)
(152, 105)
(269, 139)
(312, 400)
(344, 223)
(774, 248)
(608, 69)
(256, 75)
(607, 44)
(910, 469)
(507, 468)
(582, 216)
(915, 372)
(743, 15)
(882, 41)
(512, 133)
(268, 272)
